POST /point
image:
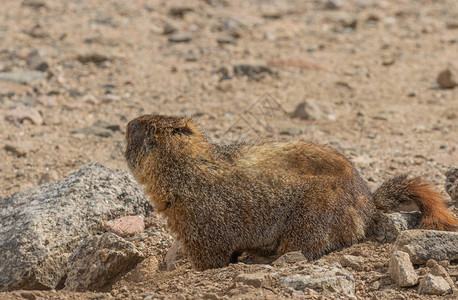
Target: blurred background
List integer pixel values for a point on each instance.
(361, 75)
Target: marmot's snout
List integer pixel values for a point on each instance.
(140, 138)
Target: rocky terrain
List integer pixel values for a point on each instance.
(376, 79)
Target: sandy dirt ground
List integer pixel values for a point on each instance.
(371, 66)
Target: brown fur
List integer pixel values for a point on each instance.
(263, 197)
(401, 189)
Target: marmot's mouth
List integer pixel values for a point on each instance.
(130, 158)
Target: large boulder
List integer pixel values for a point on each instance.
(40, 227)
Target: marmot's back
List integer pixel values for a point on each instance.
(295, 158)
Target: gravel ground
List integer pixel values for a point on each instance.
(73, 73)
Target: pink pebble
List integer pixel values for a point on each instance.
(125, 226)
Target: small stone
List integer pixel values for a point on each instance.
(224, 86)
(314, 110)
(94, 130)
(180, 37)
(36, 62)
(99, 128)
(28, 295)
(38, 32)
(347, 20)
(125, 226)
(431, 263)
(252, 71)
(447, 79)
(227, 39)
(401, 269)
(333, 5)
(224, 71)
(289, 258)
(374, 286)
(451, 183)
(388, 60)
(292, 131)
(48, 177)
(439, 270)
(180, 11)
(433, 285)
(97, 260)
(92, 57)
(46, 100)
(24, 77)
(453, 271)
(210, 296)
(191, 57)
(108, 98)
(389, 226)
(373, 17)
(444, 263)
(452, 24)
(231, 23)
(272, 14)
(422, 271)
(256, 279)
(174, 253)
(322, 278)
(34, 3)
(16, 150)
(23, 113)
(149, 6)
(169, 28)
(354, 262)
(106, 64)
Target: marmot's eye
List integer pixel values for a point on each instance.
(182, 130)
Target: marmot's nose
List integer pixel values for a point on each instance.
(133, 125)
(135, 132)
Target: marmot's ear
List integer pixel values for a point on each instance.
(186, 129)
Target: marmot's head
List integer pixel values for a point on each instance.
(151, 137)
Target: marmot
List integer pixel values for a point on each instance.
(263, 197)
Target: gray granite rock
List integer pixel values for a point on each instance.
(98, 260)
(387, 227)
(451, 183)
(422, 245)
(433, 285)
(23, 77)
(329, 278)
(40, 227)
(401, 269)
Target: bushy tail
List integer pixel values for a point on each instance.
(401, 189)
